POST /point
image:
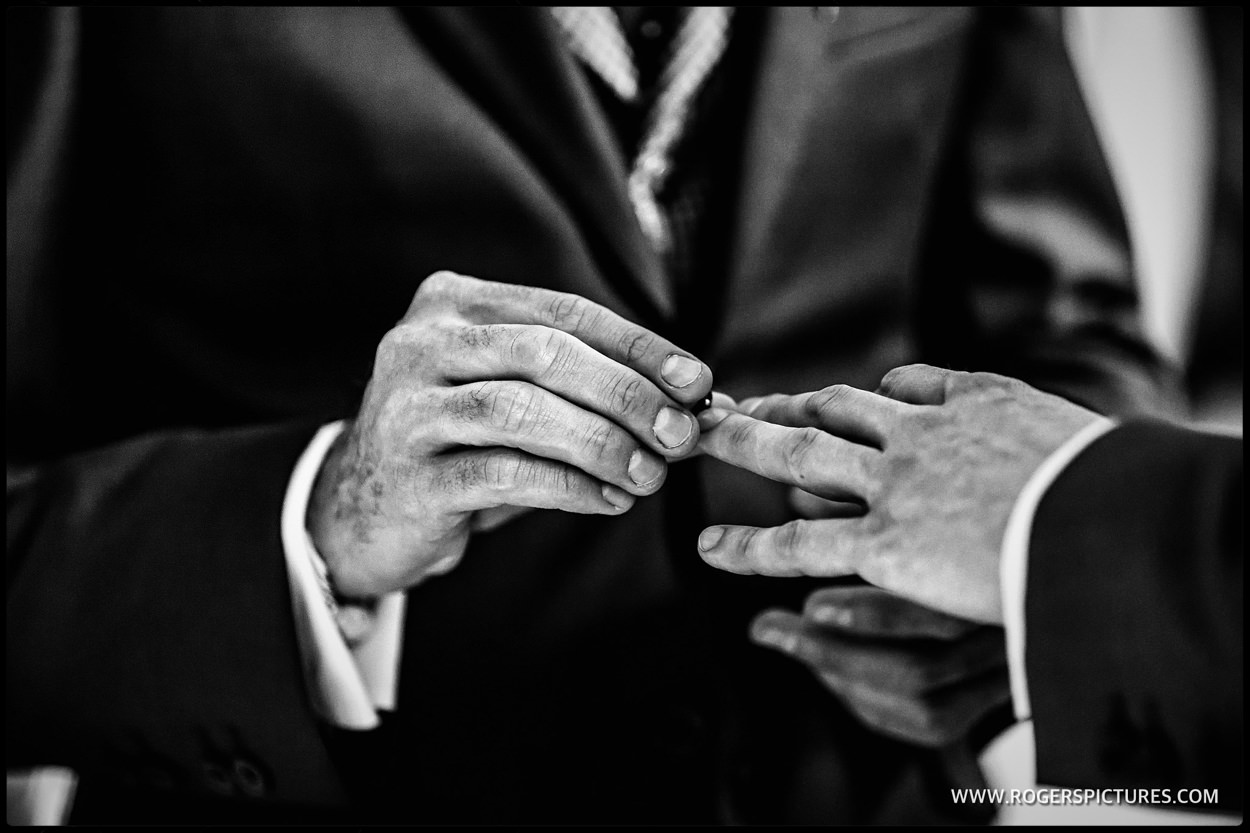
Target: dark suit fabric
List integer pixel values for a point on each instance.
(1134, 615)
(223, 210)
(1216, 367)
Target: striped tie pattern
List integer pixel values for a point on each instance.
(595, 36)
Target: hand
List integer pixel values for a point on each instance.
(906, 671)
(487, 399)
(938, 468)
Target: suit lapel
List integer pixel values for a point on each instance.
(785, 98)
(513, 63)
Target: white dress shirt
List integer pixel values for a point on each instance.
(348, 684)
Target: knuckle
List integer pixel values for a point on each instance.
(897, 377)
(396, 346)
(798, 452)
(1006, 385)
(741, 434)
(523, 346)
(439, 284)
(829, 401)
(567, 311)
(791, 537)
(551, 352)
(390, 347)
(510, 407)
(635, 344)
(600, 440)
(500, 472)
(832, 397)
(561, 480)
(976, 379)
(960, 382)
(625, 394)
(528, 347)
(813, 406)
(890, 381)
(749, 542)
(535, 475)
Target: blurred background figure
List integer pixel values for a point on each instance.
(1165, 88)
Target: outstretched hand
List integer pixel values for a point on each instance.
(935, 458)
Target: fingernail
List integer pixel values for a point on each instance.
(644, 469)
(619, 498)
(833, 616)
(680, 371)
(673, 427)
(712, 417)
(710, 537)
(775, 639)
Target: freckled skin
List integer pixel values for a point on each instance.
(488, 400)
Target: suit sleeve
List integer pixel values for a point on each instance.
(1134, 615)
(149, 632)
(1030, 272)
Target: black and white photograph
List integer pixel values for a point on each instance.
(624, 415)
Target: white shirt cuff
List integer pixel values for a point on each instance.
(1014, 561)
(347, 685)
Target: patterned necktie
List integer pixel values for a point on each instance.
(595, 36)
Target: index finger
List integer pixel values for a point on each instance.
(677, 372)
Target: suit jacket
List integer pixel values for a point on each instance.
(1216, 369)
(216, 213)
(1134, 615)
